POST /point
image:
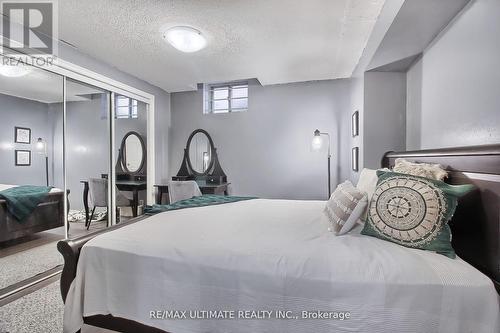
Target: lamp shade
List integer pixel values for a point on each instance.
(317, 142)
(40, 145)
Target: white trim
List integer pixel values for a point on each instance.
(112, 169)
(66, 68)
(150, 110)
(65, 184)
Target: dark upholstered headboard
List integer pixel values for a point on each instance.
(476, 223)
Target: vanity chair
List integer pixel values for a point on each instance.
(201, 164)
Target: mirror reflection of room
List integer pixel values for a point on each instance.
(87, 156)
(199, 152)
(130, 153)
(31, 193)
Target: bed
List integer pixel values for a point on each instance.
(48, 215)
(275, 256)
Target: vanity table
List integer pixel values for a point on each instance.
(201, 164)
(130, 171)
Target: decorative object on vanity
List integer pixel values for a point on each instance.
(414, 211)
(23, 157)
(318, 145)
(132, 155)
(200, 160)
(22, 135)
(345, 206)
(427, 170)
(355, 124)
(41, 147)
(355, 159)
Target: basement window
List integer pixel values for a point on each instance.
(226, 97)
(125, 107)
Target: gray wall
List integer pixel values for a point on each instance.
(356, 103)
(453, 91)
(22, 112)
(88, 142)
(266, 151)
(384, 122)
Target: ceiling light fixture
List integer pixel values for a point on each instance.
(185, 39)
(14, 70)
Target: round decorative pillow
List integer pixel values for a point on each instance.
(413, 211)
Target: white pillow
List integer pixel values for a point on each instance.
(426, 170)
(344, 208)
(367, 183)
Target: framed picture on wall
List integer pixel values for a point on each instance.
(22, 135)
(355, 124)
(23, 157)
(355, 159)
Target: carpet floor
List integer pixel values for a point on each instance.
(19, 266)
(28, 261)
(38, 312)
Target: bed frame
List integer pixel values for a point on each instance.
(475, 225)
(47, 215)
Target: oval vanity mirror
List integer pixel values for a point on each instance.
(132, 152)
(200, 151)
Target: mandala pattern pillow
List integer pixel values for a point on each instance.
(413, 211)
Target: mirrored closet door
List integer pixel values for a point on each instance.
(88, 161)
(30, 164)
(130, 128)
(80, 151)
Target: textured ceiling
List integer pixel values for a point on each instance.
(275, 41)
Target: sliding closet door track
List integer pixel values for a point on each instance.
(25, 287)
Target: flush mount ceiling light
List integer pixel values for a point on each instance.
(185, 39)
(14, 70)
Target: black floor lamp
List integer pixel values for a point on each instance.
(41, 146)
(317, 145)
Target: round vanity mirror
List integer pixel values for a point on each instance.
(133, 152)
(200, 151)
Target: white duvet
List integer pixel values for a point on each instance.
(273, 255)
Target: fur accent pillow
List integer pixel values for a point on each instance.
(426, 170)
(345, 207)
